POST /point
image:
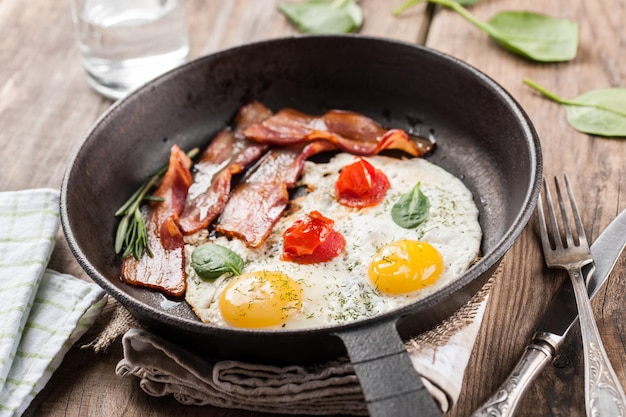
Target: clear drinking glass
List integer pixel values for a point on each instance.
(125, 43)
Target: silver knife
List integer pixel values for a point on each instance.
(556, 322)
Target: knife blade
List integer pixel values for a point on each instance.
(556, 322)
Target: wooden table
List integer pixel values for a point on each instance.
(46, 107)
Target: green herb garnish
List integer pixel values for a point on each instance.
(131, 236)
(597, 112)
(411, 209)
(531, 35)
(324, 16)
(131, 233)
(211, 261)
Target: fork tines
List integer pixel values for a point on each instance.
(557, 237)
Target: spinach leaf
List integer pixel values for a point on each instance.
(324, 16)
(597, 112)
(211, 261)
(535, 36)
(411, 209)
(531, 35)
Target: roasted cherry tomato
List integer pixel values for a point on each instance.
(361, 185)
(312, 240)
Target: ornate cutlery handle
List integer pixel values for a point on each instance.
(505, 400)
(603, 394)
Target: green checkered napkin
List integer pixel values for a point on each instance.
(44, 312)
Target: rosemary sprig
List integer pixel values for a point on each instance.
(131, 236)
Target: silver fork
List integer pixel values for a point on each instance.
(603, 394)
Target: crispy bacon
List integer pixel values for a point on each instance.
(348, 131)
(257, 203)
(165, 269)
(229, 153)
(252, 209)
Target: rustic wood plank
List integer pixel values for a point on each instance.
(240, 22)
(45, 103)
(595, 167)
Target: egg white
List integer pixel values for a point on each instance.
(339, 291)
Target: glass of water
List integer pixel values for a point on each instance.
(125, 43)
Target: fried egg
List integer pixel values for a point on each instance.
(383, 266)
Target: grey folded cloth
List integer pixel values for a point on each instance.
(440, 356)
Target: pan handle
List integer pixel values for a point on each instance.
(390, 385)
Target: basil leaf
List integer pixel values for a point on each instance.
(411, 209)
(211, 261)
(324, 16)
(597, 112)
(533, 36)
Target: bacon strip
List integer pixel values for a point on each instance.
(257, 203)
(348, 131)
(229, 153)
(165, 269)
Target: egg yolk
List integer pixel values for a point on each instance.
(405, 266)
(260, 299)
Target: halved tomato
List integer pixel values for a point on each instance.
(312, 239)
(360, 184)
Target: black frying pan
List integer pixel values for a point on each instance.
(483, 137)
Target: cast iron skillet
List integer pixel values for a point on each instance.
(483, 137)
